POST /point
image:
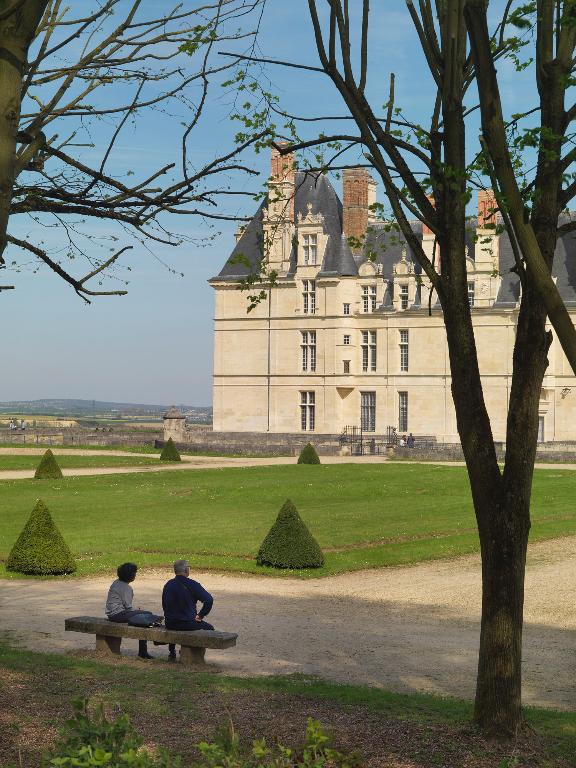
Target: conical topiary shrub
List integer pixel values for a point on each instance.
(48, 468)
(308, 455)
(170, 452)
(289, 544)
(40, 548)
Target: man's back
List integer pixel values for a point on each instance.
(179, 600)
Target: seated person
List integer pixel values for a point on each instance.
(119, 604)
(179, 601)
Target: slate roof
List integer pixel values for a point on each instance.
(385, 248)
(310, 188)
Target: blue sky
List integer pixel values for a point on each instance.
(155, 344)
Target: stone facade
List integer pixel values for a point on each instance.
(354, 337)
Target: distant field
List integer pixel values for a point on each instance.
(76, 462)
(362, 515)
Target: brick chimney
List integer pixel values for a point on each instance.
(487, 206)
(426, 230)
(281, 184)
(282, 165)
(355, 193)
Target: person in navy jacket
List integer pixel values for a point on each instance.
(180, 598)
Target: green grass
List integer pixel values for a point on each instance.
(361, 515)
(144, 449)
(152, 690)
(10, 462)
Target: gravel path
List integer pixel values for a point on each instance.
(199, 462)
(406, 629)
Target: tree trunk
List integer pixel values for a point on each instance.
(504, 532)
(499, 682)
(16, 33)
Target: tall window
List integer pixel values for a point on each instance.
(346, 309)
(403, 350)
(346, 339)
(403, 411)
(308, 349)
(310, 249)
(307, 411)
(346, 366)
(309, 296)
(403, 297)
(540, 429)
(369, 298)
(471, 294)
(368, 351)
(368, 411)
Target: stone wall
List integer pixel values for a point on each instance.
(76, 436)
(546, 452)
(256, 443)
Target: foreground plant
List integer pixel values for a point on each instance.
(91, 740)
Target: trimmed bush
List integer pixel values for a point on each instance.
(48, 468)
(289, 543)
(170, 452)
(40, 548)
(308, 455)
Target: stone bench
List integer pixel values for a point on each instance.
(109, 636)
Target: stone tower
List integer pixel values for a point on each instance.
(174, 425)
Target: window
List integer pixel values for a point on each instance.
(369, 298)
(368, 351)
(403, 350)
(471, 294)
(346, 339)
(309, 296)
(346, 309)
(403, 297)
(368, 411)
(540, 429)
(308, 349)
(307, 411)
(310, 249)
(403, 411)
(346, 366)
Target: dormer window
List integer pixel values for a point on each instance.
(310, 248)
(404, 296)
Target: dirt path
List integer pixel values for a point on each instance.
(407, 629)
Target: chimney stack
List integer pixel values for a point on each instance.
(425, 229)
(281, 183)
(356, 189)
(487, 206)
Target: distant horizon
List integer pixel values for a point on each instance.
(97, 401)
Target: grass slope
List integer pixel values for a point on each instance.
(361, 515)
(175, 709)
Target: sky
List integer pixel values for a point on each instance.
(155, 344)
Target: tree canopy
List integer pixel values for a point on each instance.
(73, 81)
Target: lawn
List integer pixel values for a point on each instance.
(176, 708)
(9, 462)
(362, 515)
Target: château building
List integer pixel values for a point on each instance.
(352, 337)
